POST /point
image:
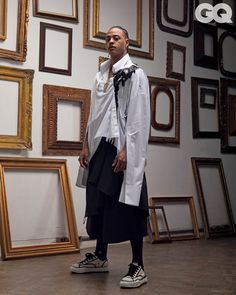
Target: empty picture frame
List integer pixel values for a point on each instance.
(179, 26)
(205, 108)
(205, 45)
(20, 8)
(141, 30)
(3, 19)
(185, 206)
(49, 225)
(226, 51)
(55, 39)
(213, 197)
(79, 100)
(175, 66)
(63, 10)
(227, 116)
(165, 110)
(21, 81)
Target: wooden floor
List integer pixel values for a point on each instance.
(198, 267)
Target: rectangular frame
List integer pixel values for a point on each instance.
(164, 85)
(24, 78)
(55, 15)
(42, 49)
(203, 93)
(3, 20)
(196, 97)
(10, 252)
(154, 201)
(100, 42)
(52, 95)
(21, 39)
(200, 58)
(169, 63)
(162, 7)
(225, 84)
(217, 230)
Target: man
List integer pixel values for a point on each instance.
(115, 153)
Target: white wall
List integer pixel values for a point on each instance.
(169, 171)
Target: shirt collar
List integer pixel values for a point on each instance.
(125, 61)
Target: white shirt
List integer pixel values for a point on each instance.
(130, 124)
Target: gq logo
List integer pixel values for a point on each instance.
(212, 13)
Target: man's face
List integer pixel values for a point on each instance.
(116, 43)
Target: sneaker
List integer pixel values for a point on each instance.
(90, 264)
(135, 277)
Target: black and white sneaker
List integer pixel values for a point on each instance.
(91, 263)
(135, 277)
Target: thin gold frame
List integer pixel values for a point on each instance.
(101, 45)
(154, 201)
(101, 35)
(52, 95)
(57, 16)
(10, 252)
(21, 38)
(23, 138)
(3, 19)
(210, 231)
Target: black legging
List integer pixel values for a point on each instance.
(136, 246)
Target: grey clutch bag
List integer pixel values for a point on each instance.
(82, 177)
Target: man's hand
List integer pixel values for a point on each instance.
(120, 161)
(83, 158)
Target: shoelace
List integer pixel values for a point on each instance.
(89, 257)
(133, 270)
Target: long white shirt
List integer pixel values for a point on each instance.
(129, 125)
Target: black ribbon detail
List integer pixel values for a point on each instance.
(120, 77)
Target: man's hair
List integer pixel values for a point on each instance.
(122, 29)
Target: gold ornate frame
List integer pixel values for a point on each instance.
(3, 19)
(55, 15)
(52, 95)
(101, 35)
(165, 85)
(24, 78)
(71, 244)
(21, 39)
(213, 230)
(154, 201)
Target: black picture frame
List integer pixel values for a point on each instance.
(200, 58)
(223, 36)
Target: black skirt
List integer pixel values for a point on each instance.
(108, 219)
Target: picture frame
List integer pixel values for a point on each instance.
(40, 10)
(232, 115)
(64, 69)
(170, 72)
(223, 69)
(169, 131)
(12, 240)
(142, 44)
(171, 25)
(23, 79)
(176, 235)
(228, 90)
(52, 96)
(19, 53)
(3, 20)
(201, 57)
(203, 102)
(213, 197)
(202, 110)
